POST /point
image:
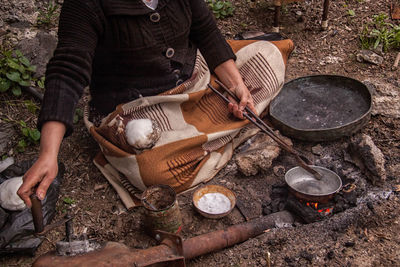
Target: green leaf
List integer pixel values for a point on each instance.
(24, 83)
(18, 53)
(25, 61)
(68, 200)
(78, 115)
(25, 132)
(16, 90)
(40, 82)
(14, 76)
(14, 65)
(219, 5)
(22, 123)
(21, 145)
(32, 107)
(31, 68)
(34, 135)
(4, 85)
(26, 76)
(351, 12)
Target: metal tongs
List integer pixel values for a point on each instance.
(253, 118)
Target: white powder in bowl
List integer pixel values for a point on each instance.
(214, 203)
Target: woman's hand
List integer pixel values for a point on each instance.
(230, 76)
(244, 95)
(44, 170)
(42, 173)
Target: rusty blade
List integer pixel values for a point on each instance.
(265, 128)
(37, 213)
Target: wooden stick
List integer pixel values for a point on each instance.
(266, 129)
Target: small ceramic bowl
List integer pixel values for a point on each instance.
(199, 193)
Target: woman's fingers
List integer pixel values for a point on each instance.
(26, 189)
(44, 185)
(41, 174)
(245, 100)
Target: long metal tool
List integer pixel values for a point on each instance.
(252, 117)
(172, 251)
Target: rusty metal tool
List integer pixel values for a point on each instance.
(37, 215)
(172, 251)
(253, 118)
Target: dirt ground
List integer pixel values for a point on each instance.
(372, 238)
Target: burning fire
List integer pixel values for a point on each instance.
(324, 211)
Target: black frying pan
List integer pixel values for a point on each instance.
(321, 107)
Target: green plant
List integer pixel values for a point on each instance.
(221, 9)
(47, 15)
(15, 71)
(351, 13)
(380, 32)
(40, 82)
(68, 200)
(78, 115)
(30, 136)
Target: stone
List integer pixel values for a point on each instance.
(258, 154)
(370, 57)
(368, 157)
(7, 134)
(317, 150)
(39, 49)
(279, 171)
(386, 100)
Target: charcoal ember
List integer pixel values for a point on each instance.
(306, 213)
(282, 205)
(266, 208)
(279, 191)
(351, 198)
(275, 205)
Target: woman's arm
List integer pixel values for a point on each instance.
(45, 169)
(229, 75)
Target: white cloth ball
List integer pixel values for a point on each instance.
(9, 199)
(142, 133)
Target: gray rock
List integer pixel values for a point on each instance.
(317, 150)
(368, 157)
(39, 50)
(258, 155)
(386, 99)
(7, 133)
(370, 57)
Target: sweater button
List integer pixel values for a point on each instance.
(176, 73)
(170, 52)
(155, 17)
(179, 82)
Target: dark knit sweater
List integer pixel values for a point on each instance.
(122, 49)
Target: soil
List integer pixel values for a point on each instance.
(367, 235)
